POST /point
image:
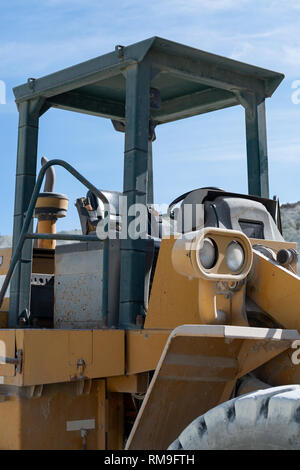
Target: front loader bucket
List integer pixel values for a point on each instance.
(198, 369)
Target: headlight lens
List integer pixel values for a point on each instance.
(208, 253)
(235, 256)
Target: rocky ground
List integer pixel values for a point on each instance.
(290, 218)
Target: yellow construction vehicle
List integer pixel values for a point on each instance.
(148, 331)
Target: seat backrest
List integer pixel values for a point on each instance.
(91, 210)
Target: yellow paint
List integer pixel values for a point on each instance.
(7, 349)
(51, 356)
(136, 383)
(114, 421)
(176, 300)
(276, 246)
(43, 261)
(40, 422)
(143, 349)
(52, 201)
(47, 226)
(280, 370)
(198, 369)
(3, 317)
(186, 261)
(5, 257)
(63, 359)
(276, 291)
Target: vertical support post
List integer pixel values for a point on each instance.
(25, 181)
(133, 252)
(257, 154)
(150, 195)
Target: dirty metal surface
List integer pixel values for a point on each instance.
(78, 288)
(198, 369)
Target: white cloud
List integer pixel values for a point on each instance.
(93, 28)
(45, 57)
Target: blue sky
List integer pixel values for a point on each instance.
(38, 37)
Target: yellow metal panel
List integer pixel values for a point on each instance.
(80, 346)
(51, 356)
(53, 420)
(143, 349)
(276, 246)
(5, 257)
(101, 414)
(3, 319)
(280, 370)
(14, 342)
(108, 353)
(136, 383)
(7, 349)
(276, 291)
(17, 377)
(46, 357)
(4, 308)
(5, 305)
(255, 352)
(174, 298)
(43, 261)
(115, 421)
(198, 367)
(5, 253)
(10, 425)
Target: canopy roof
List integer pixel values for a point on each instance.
(190, 82)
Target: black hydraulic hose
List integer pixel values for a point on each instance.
(30, 210)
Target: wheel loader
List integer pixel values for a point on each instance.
(148, 330)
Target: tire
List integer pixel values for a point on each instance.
(262, 420)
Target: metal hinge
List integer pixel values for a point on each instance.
(17, 361)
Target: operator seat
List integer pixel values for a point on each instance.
(91, 210)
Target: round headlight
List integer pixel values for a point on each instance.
(235, 256)
(208, 253)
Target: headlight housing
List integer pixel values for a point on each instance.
(213, 254)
